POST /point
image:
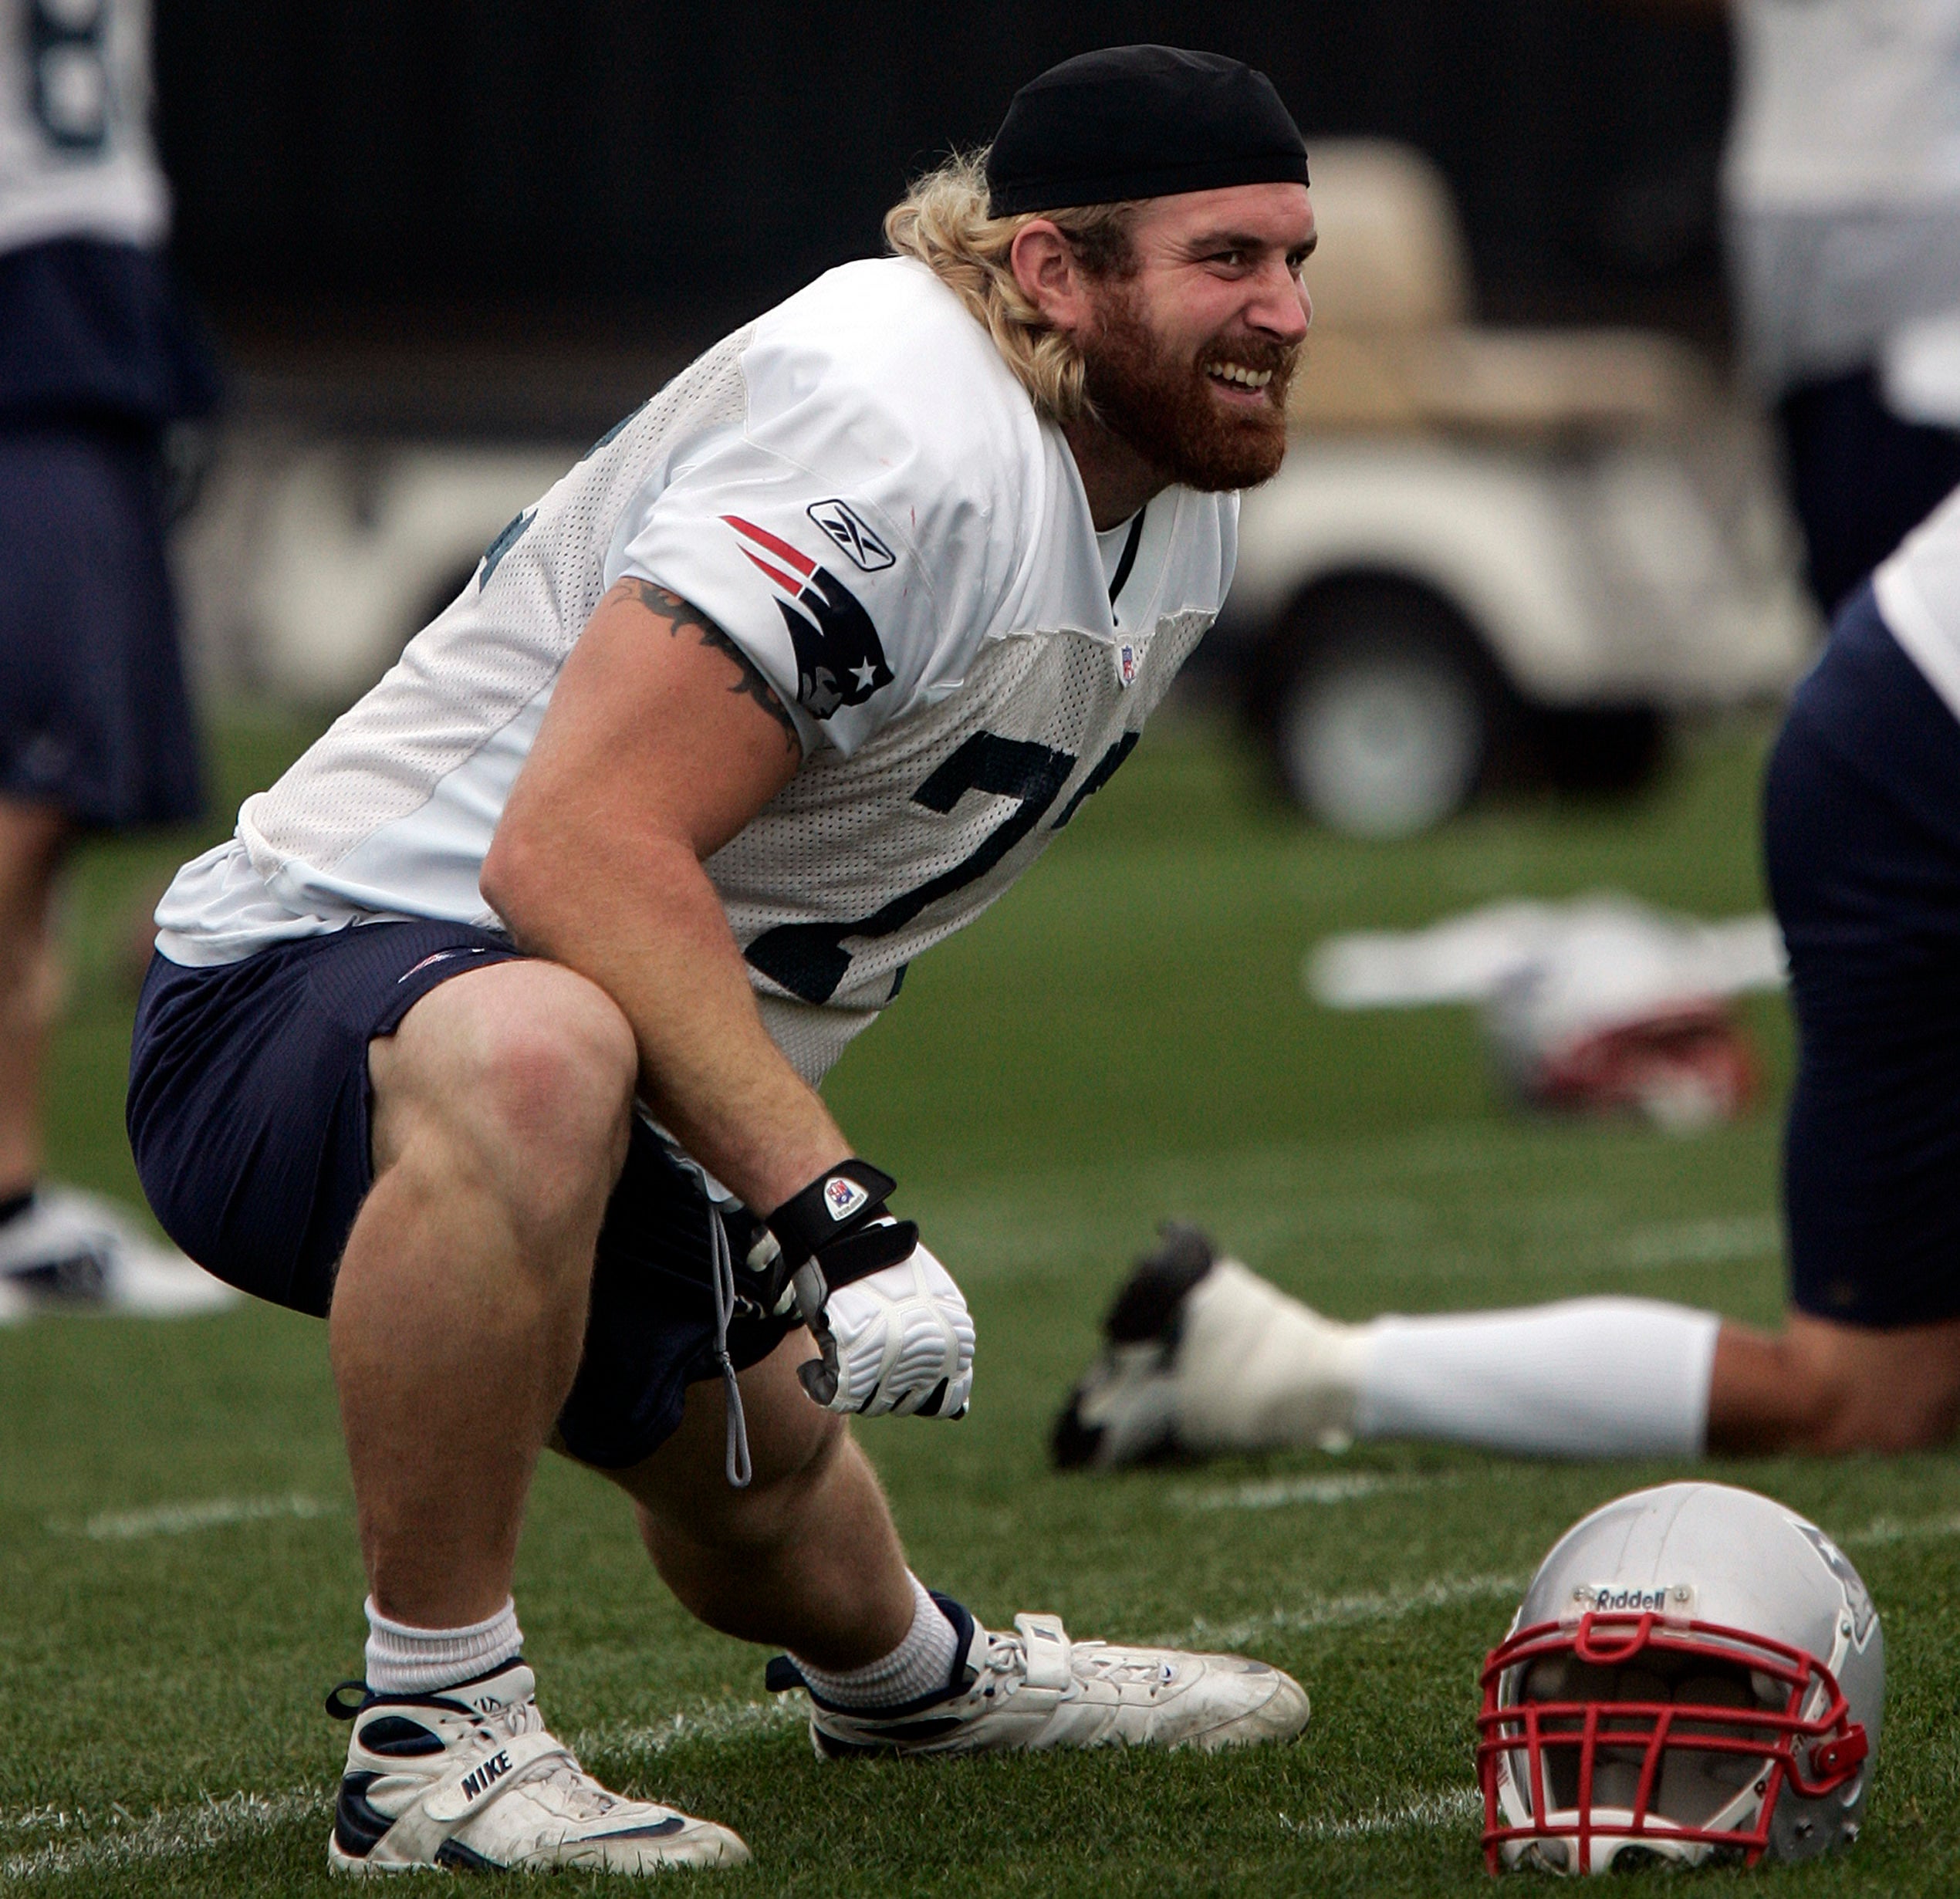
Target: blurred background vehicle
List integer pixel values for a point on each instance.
(312, 560)
(1493, 551)
(448, 252)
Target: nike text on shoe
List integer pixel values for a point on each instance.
(470, 1779)
(1037, 1689)
(1204, 1356)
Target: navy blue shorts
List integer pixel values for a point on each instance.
(1862, 834)
(248, 1109)
(94, 714)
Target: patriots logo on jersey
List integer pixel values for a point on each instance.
(840, 660)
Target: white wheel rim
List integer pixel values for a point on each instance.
(1382, 746)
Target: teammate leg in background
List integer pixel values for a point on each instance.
(32, 837)
(97, 358)
(1232, 1364)
(95, 731)
(1862, 824)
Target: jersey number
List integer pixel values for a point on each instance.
(809, 960)
(71, 77)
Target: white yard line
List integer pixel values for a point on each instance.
(122, 1840)
(1277, 1493)
(182, 1520)
(118, 1839)
(717, 1721)
(1702, 1242)
(1886, 1529)
(1424, 1810)
(81, 1841)
(1341, 1611)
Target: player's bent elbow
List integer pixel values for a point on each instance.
(518, 880)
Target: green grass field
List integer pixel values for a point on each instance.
(1123, 1037)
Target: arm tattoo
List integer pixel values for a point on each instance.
(683, 617)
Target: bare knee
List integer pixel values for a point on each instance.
(1921, 1418)
(1830, 1389)
(516, 1081)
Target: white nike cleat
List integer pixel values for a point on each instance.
(470, 1779)
(78, 1252)
(1037, 1689)
(1205, 1356)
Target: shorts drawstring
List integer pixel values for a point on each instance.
(737, 1464)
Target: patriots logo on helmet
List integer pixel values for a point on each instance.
(840, 660)
(1857, 1598)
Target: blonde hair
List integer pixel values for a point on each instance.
(943, 221)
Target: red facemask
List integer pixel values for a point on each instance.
(1620, 1727)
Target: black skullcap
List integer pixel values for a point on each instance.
(1139, 122)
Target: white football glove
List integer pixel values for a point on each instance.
(903, 1340)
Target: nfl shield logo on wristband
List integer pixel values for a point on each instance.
(843, 1196)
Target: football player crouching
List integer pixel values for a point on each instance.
(494, 1036)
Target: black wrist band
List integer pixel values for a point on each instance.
(837, 1203)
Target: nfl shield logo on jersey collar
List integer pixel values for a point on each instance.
(1129, 661)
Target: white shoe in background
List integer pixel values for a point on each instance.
(1203, 1356)
(72, 1251)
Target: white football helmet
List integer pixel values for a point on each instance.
(1696, 1673)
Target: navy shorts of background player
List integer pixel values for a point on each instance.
(1862, 835)
(96, 356)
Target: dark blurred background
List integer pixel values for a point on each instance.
(616, 172)
(445, 246)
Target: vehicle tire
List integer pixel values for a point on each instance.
(1381, 710)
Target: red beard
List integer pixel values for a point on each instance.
(1161, 404)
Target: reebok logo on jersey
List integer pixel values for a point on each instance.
(493, 1769)
(846, 526)
(838, 659)
(843, 1196)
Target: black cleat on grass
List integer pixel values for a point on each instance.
(1142, 1329)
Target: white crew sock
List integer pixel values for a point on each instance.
(1586, 1377)
(405, 1660)
(921, 1664)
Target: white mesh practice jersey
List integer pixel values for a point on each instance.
(1842, 104)
(857, 488)
(1918, 591)
(75, 159)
